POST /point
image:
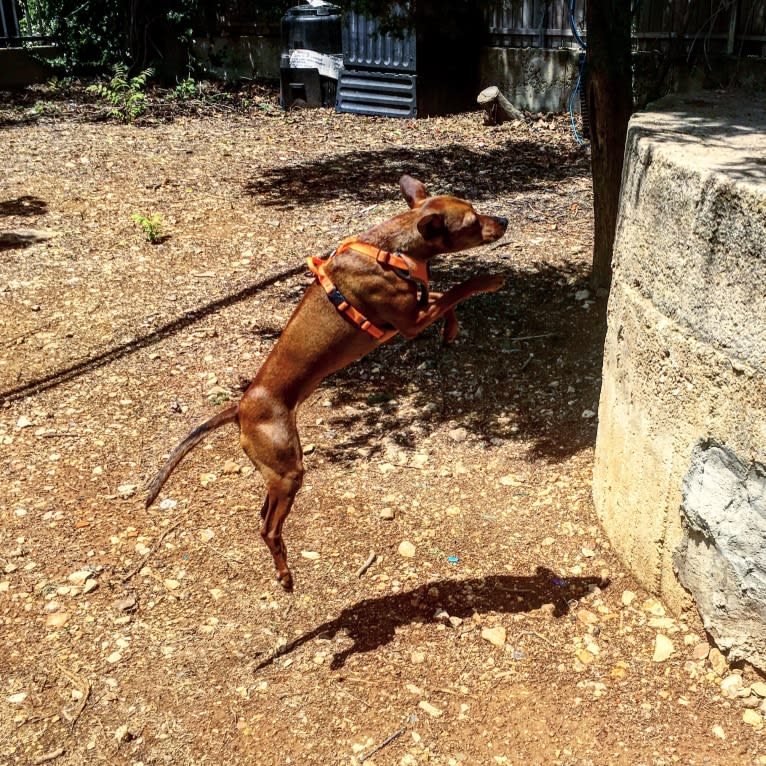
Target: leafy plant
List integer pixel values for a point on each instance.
(185, 89)
(151, 225)
(126, 94)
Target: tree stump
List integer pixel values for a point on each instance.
(497, 107)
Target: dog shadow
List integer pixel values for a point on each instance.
(373, 622)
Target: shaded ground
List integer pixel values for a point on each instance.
(160, 637)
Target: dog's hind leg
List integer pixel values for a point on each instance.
(270, 439)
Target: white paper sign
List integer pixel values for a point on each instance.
(328, 65)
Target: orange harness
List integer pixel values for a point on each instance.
(405, 267)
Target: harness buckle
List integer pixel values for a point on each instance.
(336, 297)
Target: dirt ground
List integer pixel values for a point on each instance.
(509, 633)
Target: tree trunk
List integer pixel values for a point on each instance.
(497, 107)
(610, 104)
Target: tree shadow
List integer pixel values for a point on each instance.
(364, 176)
(373, 622)
(526, 368)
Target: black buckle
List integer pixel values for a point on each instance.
(336, 297)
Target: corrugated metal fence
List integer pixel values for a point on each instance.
(735, 27)
(532, 23)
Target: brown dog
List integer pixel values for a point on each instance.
(371, 288)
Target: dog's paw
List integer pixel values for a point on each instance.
(285, 579)
(451, 328)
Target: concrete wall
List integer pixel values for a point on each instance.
(18, 68)
(535, 79)
(685, 354)
(248, 56)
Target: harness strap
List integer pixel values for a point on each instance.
(316, 266)
(405, 267)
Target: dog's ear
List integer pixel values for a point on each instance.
(431, 226)
(413, 190)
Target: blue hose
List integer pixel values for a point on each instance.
(580, 73)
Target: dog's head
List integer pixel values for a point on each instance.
(448, 224)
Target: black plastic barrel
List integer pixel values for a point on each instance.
(315, 28)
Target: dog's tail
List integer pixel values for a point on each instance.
(229, 415)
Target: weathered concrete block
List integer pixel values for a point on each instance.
(685, 352)
(535, 79)
(722, 557)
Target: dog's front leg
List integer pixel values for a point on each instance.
(443, 305)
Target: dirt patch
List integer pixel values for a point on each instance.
(512, 635)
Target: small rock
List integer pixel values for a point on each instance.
(216, 594)
(310, 555)
(458, 434)
(114, 658)
(121, 733)
(585, 656)
(433, 711)
(586, 617)
(718, 661)
(167, 504)
(628, 597)
(495, 636)
(753, 718)
(388, 514)
(23, 422)
(654, 607)
(417, 658)
(171, 584)
(126, 490)
(456, 622)
(731, 685)
(127, 604)
(206, 479)
(759, 688)
(80, 576)
(663, 648)
(406, 549)
(662, 623)
(582, 295)
(719, 732)
(509, 481)
(700, 652)
(17, 698)
(419, 460)
(90, 585)
(588, 414)
(231, 467)
(143, 550)
(619, 670)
